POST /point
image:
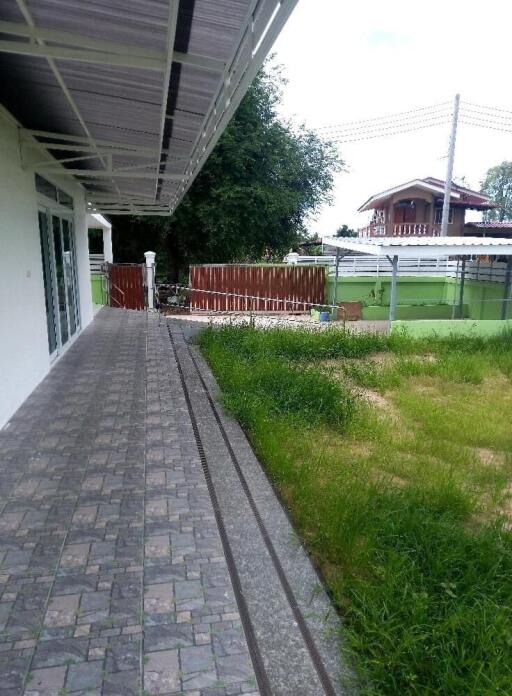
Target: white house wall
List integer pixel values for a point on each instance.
(24, 358)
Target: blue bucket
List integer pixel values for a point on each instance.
(324, 316)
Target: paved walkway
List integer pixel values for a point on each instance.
(142, 549)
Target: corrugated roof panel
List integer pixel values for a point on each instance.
(216, 26)
(138, 22)
(128, 85)
(122, 108)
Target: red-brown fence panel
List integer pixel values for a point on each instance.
(278, 288)
(126, 282)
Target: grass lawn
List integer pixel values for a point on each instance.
(394, 456)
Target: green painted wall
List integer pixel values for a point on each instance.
(410, 290)
(97, 289)
(466, 327)
(439, 311)
(482, 300)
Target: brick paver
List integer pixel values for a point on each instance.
(112, 572)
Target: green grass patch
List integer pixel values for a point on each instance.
(394, 456)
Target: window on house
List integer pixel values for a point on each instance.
(438, 216)
(50, 191)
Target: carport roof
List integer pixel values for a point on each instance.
(422, 247)
(130, 96)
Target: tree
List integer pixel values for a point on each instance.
(498, 185)
(345, 231)
(259, 187)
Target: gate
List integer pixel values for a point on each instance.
(256, 288)
(126, 285)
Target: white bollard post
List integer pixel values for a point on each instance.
(150, 275)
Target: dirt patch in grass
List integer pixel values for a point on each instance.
(489, 457)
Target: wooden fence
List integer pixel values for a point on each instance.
(256, 288)
(126, 286)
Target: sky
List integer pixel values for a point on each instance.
(346, 61)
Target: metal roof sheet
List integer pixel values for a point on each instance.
(491, 225)
(423, 247)
(134, 92)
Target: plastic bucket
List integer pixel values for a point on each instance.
(324, 316)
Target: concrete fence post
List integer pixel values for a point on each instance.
(150, 277)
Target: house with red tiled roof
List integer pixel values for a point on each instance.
(416, 207)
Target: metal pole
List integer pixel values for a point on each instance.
(449, 169)
(335, 291)
(455, 289)
(461, 293)
(392, 302)
(507, 292)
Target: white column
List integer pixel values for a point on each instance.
(150, 275)
(108, 254)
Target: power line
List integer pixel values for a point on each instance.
(372, 127)
(487, 115)
(484, 124)
(383, 129)
(387, 117)
(420, 118)
(383, 135)
(489, 108)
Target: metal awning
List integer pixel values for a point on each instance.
(396, 248)
(422, 247)
(131, 97)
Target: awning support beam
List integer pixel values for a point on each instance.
(507, 292)
(394, 278)
(461, 291)
(91, 50)
(114, 174)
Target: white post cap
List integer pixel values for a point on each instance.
(150, 258)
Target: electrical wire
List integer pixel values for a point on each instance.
(442, 118)
(489, 108)
(383, 135)
(479, 124)
(371, 128)
(487, 116)
(412, 120)
(385, 117)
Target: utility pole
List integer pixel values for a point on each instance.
(449, 169)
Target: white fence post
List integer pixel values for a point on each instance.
(150, 277)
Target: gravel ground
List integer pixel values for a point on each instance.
(293, 321)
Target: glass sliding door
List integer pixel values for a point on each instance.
(70, 275)
(60, 277)
(61, 280)
(48, 279)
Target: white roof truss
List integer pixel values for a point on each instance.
(258, 29)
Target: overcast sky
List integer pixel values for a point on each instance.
(358, 60)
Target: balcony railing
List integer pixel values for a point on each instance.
(401, 229)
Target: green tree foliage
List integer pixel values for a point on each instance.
(345, 231)
(253, 197)
(498, 185)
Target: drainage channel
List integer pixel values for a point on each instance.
(252, 644)
(262, 677)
